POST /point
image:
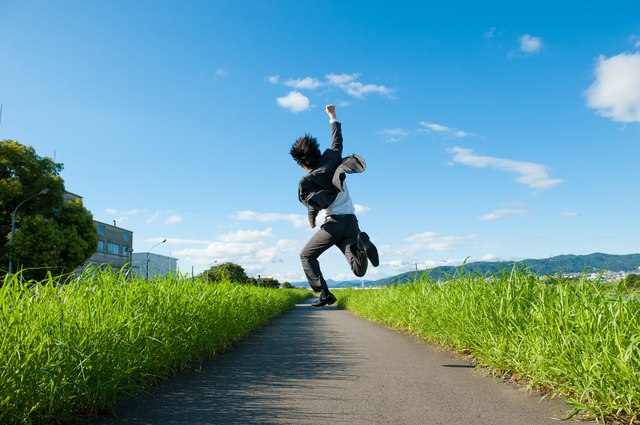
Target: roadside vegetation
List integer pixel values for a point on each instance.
(73, 349)
(577, 338)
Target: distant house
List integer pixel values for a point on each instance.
(68, 196)
(158, 265)
(115, 244)
(115, 247)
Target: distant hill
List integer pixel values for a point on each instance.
(335, 284)
(547, 266)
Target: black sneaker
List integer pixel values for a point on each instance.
(372, 251)
(328, 300)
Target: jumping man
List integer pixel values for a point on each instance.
(324, 188)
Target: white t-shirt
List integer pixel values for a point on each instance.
(342, 205)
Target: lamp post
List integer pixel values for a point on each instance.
(13, 225)
(207, 271)
(149, 252)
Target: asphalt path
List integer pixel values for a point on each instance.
(328, 366)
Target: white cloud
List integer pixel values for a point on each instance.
(124, 214)
(296, 219)
(616, 91)
(344, 103)
(435, 242)
(220, 73)
(342, 277)
(504, 213)
(354, 88)
(460, 133)
(175, 218)
(360, 210)
(422, 237)
(435, 127)
(445, 243)
(341, 79)
(568, 214)
(489, 33)
(529, 173)
(529, 44)
(488, 257)
(177, 241)
(303, 83)
(266, 271)
(636, 40)
(239, 253)
(245, 235)
(394, 134)
(297, 102)
(444, 130)
(153, 217)
(294, 101)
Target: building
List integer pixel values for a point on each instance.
(115, 247)
(115, 244)
(159, 265)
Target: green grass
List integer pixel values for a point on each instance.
(580, 339)
(74, 349)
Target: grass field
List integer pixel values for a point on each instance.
(580, 339)
(74, 349)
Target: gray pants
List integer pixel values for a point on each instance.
(341, 231)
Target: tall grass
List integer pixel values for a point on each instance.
(580, 339)
(76, 348)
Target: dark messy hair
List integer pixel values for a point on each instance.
(306, 151)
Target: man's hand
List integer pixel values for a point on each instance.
(331, 110)
(312, 225)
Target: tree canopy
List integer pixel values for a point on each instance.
(236, 273)
(50, 234)
(227, 271)
(632, 280)
(268, 282)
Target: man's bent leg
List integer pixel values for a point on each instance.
(318, 244)
(349, 246)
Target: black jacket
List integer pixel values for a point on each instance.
(320, 187)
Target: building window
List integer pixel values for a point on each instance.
(101, 229)
(125, 235)
(100, 246)
(125, 249)
(114, 248)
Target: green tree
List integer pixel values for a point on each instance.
(286, 285)
(632, 280)
(269, 282)
(80, 238)
(51, 235)
(265, 282)
(227, 271)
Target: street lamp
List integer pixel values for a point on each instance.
(148, 252)
(207, 271)
(13, 225)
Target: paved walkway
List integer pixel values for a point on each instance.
(328, 366)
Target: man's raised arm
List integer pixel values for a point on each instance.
(336, 130)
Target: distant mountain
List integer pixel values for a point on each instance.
(544, 267)
(335, 284)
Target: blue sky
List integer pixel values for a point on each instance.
(495, 131)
